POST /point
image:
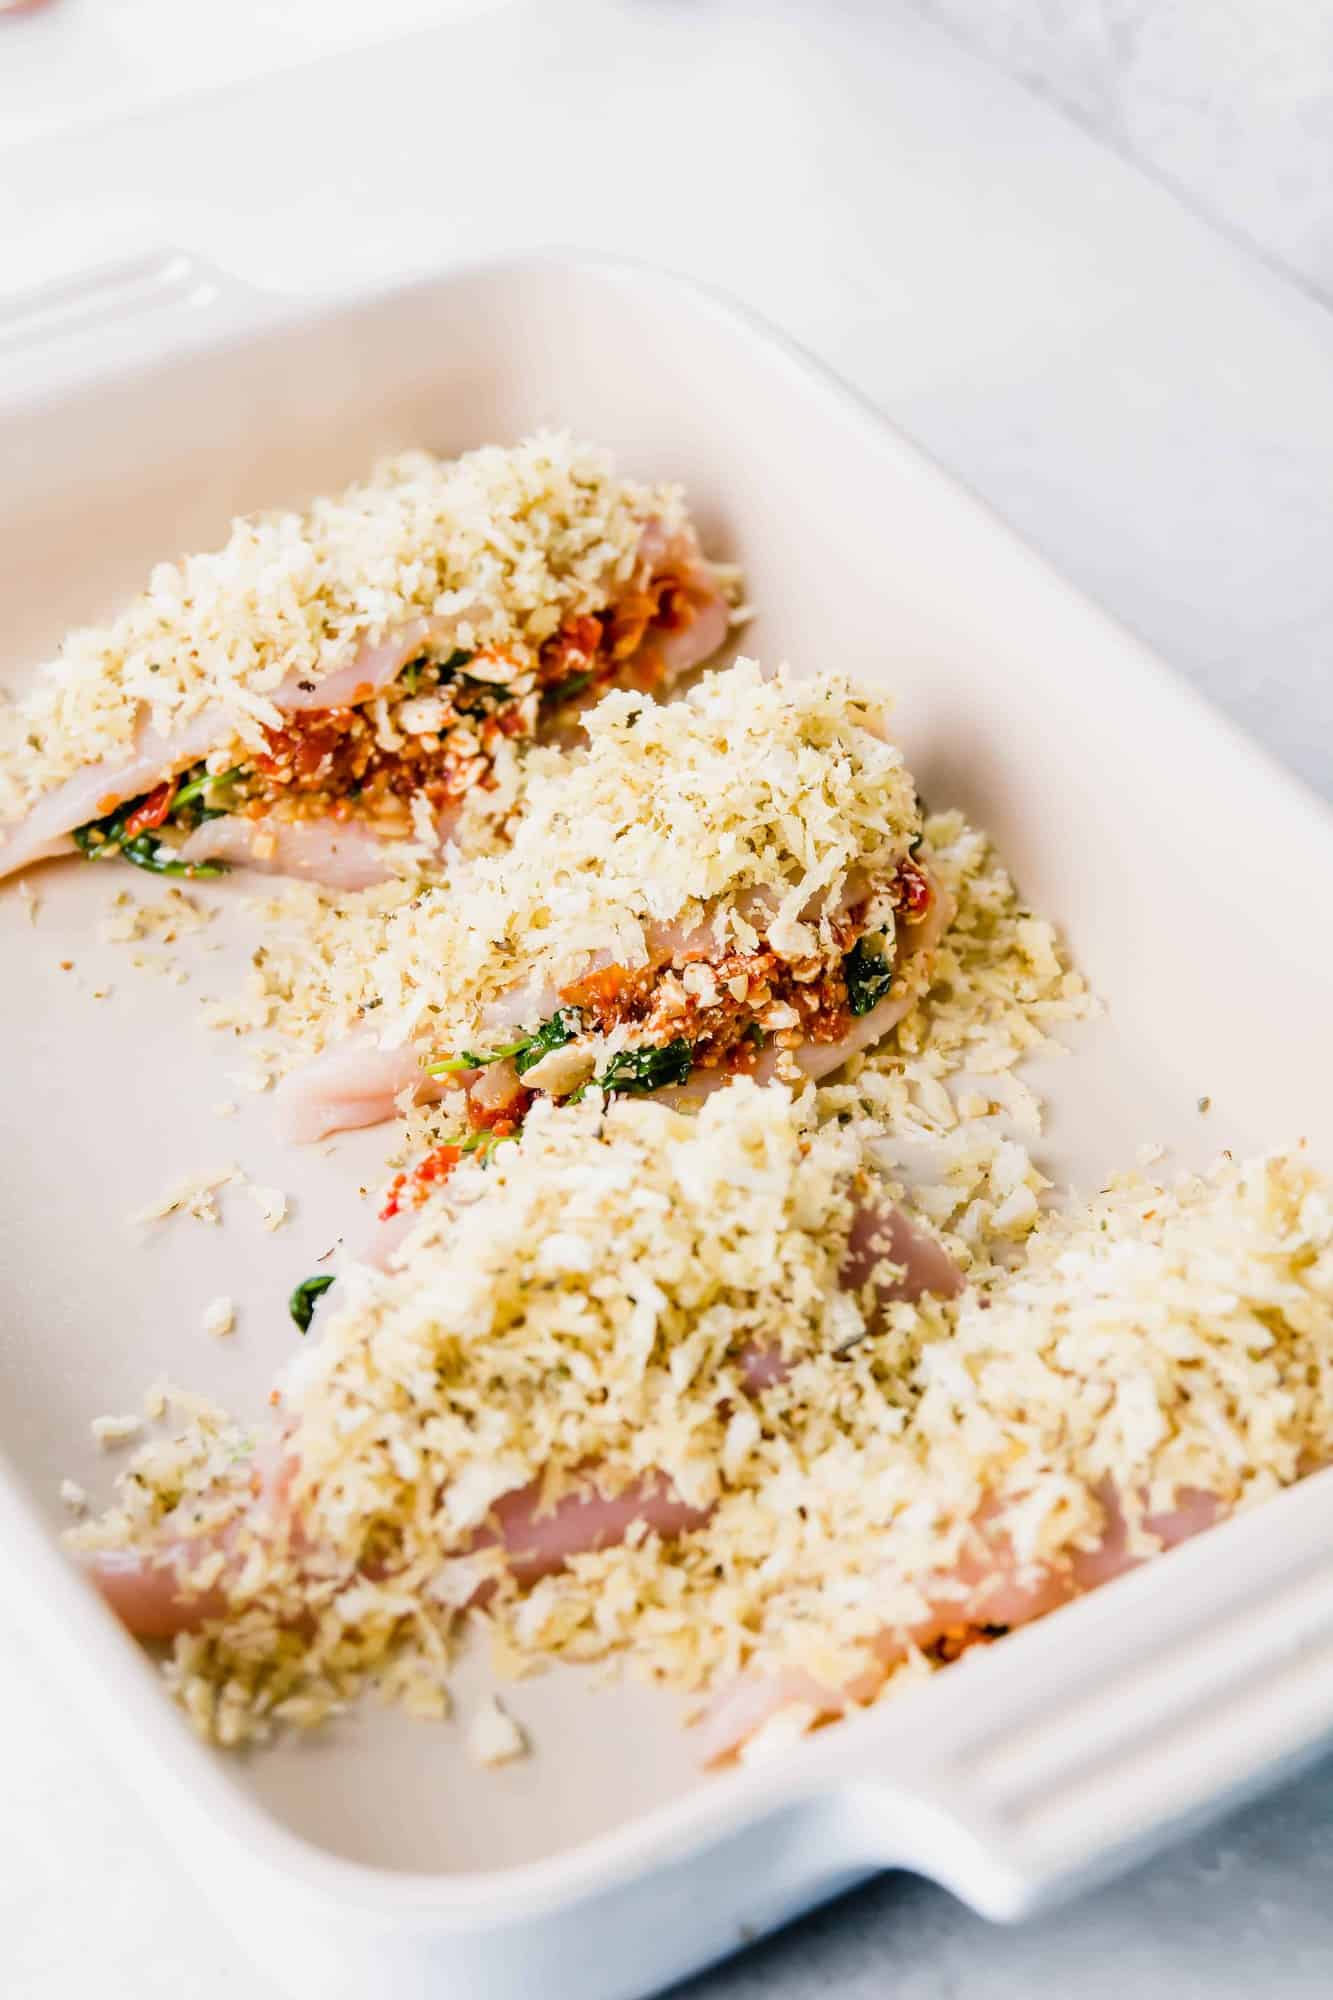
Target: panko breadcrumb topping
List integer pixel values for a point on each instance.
(747, 804)
(506, 544)
(1001, 984)
(1158, 1344)
(588, 1301)
(750, 805)
(588, 1297)
(1164, 1338)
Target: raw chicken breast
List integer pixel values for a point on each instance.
(340, 854)
(356, 1083)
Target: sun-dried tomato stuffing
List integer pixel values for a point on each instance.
(575, 649)
(607, 991)
(727, 1006)
(409, 1190)
(153, 811)
(913, 893)
(503, 1120)
(744, 1000)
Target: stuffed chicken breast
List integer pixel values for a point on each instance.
(333, 685)
(728, 884)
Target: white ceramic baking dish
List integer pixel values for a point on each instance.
(138, 411)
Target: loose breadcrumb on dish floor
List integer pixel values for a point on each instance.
(272, 1204)
(112, 1431)
(220, 1317)
(194, 1194)
(493, 1736)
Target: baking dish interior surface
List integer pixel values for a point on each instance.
(1182, 869)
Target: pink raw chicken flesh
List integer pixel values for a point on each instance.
(340, 854)
(145, 1593)
(359, 1082)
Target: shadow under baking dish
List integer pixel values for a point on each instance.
(1173, 856)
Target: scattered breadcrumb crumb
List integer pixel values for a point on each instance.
(1001, 986)
(493, 1736)
(271, 1203)
(112, 1431)
(220, 1316)
(30, 900)
(255, 1080)
(194, 1195)
(164, 918)
(73, 1496)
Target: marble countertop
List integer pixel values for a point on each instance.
(1146, 399)
(1228, 104)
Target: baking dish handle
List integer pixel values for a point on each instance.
(137, 309)
(1023, 1777)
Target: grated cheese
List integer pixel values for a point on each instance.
(167, 918)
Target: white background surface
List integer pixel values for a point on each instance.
(1144, 400)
